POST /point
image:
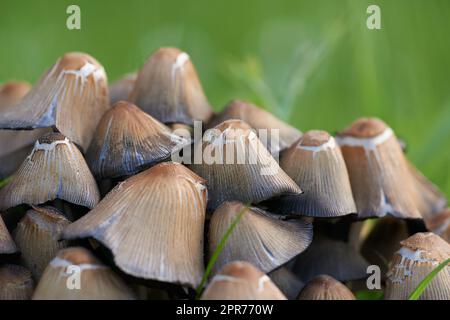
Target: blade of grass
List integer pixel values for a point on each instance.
(4, 182)
(415, 295)
(218, 250)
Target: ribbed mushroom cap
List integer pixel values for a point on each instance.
(238, 167)
(383, 241)
(75, 274)
(153, 219)
(241, 281)
(37, 236)
(168, 88)
(324, 287)
(315, 162)
(7, 245)
(71, 96)
(381, 178)
(417, 257)
(55, 169)
(14, 145)
(259, 119)
(128, 140)
(332, 257)
(15, 283)
(120, 90)
(287, 282)
(259, 238)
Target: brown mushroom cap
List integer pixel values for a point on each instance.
(71, 96)
(55, 169)
(417, 257)
(241, 281)
(168, 88)
(259, 238)
(324, 287)
(365, 128)
(238, 167)
(120, 89)
(37, 236)
(7, 245)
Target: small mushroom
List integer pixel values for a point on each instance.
(120, 90)
(168, 88)
(128, 140)
(37, 236)
(237, 166)
(287, 282)
(315, 162)
(260, 238)
(383, 241)
(417, 257)
(153, 223)
(331, 257)
(324, 287)
(241, 281)
(71, 96)
(259, 119)
(15, 145)
(75, 274)
(381, 177)
(7, 245)
(15, 282)
(55, 169)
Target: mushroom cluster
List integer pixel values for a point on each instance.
(111, 192)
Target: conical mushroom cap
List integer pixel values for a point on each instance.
(315, 162)
(324, 287)
(237, 166)
(55, 169)
(241, 281)
(7, 245)
(75, 274)
(168, 89)
(37, 236)
(259, 119)
(153, 219)
(259, 238)
(332, 257)
(287, 282)
(15, 283)
(383, 241)
(120, 90)
(380, 175)
(14, 145)
(72, 96)
(127, 141)
(417, 257)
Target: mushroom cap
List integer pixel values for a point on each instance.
(7, 245)
(37, 236)
(324, 287)
(417, 257)
(153, 219)
(55, 169)
(260, 238)
(238, 167)
(315, 162)
(241, 281)
(120, 89)
(365, 128)
(95, 280)
(168, 88)
(287, 282)
(128, 140)
(71, 96)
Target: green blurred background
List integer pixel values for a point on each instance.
(313, 63)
